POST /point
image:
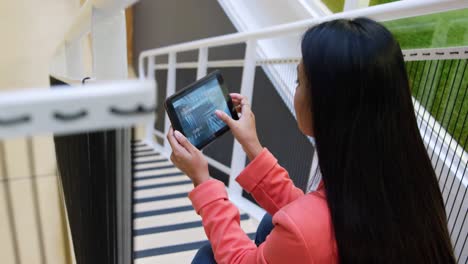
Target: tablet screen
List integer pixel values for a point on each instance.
(196, 112)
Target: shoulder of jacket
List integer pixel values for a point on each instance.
(311, 215)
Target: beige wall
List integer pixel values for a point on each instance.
(17, 172)
(30, 31)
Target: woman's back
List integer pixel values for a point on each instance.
(382, 191)
(311, 215)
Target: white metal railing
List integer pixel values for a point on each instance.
(392, 11)
(63, 110)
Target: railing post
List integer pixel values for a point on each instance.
(150, 67)
(314, 174)
(238, 154)
(170, 89)
(202, 62)
(141, 70)
(149, 137)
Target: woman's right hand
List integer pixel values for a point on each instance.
(243, 129)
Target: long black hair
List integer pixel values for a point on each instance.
(382, 191)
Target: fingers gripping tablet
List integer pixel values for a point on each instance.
(192, 110)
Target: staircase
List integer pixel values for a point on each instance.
(272, 54)
(166, 228)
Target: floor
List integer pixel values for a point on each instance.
(166, 228)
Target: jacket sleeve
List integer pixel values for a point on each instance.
(268, 182)
(231, 245)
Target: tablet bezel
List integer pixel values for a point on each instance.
(168, 105)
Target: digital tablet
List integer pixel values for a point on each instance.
(192, 110)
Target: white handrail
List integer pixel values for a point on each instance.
(410, 55)
(63, 110)
(391, 11)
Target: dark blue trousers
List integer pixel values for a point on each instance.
(205, 253)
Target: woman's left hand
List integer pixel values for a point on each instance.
(188, 158)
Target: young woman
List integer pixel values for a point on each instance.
(379, 200)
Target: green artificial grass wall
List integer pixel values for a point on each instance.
(440, 86)
(445, 96)
(334, 5)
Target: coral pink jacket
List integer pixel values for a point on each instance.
(302, 232)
